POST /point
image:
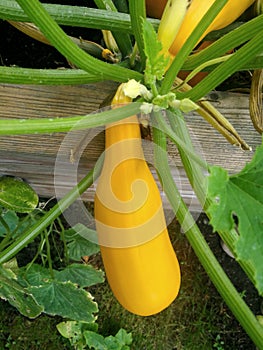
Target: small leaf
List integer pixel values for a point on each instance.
(124, 337)
(242, 195)
(95, 340)
(73, 330)
(65, 299)
(156, 63)
(81, 242)
(17, 195)
(82, 275)
(118, 342)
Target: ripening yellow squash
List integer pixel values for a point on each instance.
(140, 263)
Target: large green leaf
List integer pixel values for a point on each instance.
(16, 295)
(65, 299)
(241, 195)
(17, 195)
(62, 293)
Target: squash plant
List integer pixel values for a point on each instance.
(156, 90)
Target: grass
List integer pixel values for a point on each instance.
(20, 333)
(197, 320)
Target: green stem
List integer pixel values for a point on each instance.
(49, 258)
(162, 125)
(71, 51)
(62, 237)
(123, 40)
(47, 219)
(227, 42)
(137, 13)
(64, 124)
(16, 75)
(75, 16)
(8, 235)
(198, 182)
(214, 270)
(226, 69)
(189, 45)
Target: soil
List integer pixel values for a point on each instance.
(18, 49)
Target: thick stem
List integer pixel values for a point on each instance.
(214, 270)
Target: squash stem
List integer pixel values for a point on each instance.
(64, 124)
(211, 265)
(71, 51)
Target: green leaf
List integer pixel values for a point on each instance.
(35, 275)
(80, 274)
(156, 63)
(73, 330)
(58, 297)
(95, 340)
(124, 337)
(118, 342)
(241, 195)
(11, 220)
(65, 299)
(80, 242)
(17, 195)
(18, 296)
(15, 224)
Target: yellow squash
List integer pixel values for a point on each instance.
(230, 12)
(140, 263)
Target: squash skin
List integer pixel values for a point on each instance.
(140, 263)
(230, 12)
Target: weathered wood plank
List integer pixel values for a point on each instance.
(33, 157)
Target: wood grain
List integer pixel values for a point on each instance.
(52, 163)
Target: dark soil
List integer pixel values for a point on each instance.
(17, 49)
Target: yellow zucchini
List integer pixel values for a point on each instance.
(140, 263)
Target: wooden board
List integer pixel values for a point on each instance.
(33, 157)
